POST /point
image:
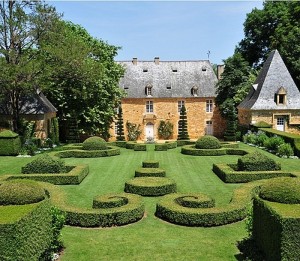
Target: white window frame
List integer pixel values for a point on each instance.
(180, 104)
(116, 129)
(149, 91)
(149, 106)
(209, 105)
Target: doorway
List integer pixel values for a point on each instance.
(280, 123)
(149, 131)
(209, 128)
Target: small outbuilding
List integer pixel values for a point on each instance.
(274, 98)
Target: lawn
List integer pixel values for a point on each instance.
(150, 238)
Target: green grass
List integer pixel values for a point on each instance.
(150, 238)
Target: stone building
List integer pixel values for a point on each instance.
(156, 90)
(274, 98)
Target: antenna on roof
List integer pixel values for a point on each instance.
(208, 54)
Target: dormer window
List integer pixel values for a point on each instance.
(174, 70)
(203, 69)
(145, 70)
(281, 96)
(194, 91)
(148, 90)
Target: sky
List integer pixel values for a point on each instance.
(171, 30)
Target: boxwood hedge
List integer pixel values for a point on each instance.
(150, 186)
(111, 151)
(140, 147)
(74, 177)
(229, 174)
(150, 164)
(150, 172)
(109, 201)
(94, 143)
(171, 144)
(10, 143)
(161, 147)
(192, 150)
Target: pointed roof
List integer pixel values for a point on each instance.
(273, 77)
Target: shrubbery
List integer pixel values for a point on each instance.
(208, 142)
(150, 164)
(21, 192)
(150, 172)
(257, 161)
(94, 143)
(10, 143)
(44, 164)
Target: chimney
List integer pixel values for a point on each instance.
(156, 60)
(220, 70)
(134, 61)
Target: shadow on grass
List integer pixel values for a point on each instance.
(249, 251)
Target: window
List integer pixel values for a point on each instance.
(194, 91)
(149, 106)
(209, 105)
(180, 104)
(126, 88)
(281, 96)
(148, 90)
(174, 70)
(116, 129)
(145, 70)
(169, 87)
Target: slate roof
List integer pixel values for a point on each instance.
(168, 78)
(33, 104)
(273, 76)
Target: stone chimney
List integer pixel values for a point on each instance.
(156, 60)
(220, 70)
(134, 61)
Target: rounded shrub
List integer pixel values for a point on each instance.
(285, 150)
(150, 186)
(109, 201)
(283, 190)
(257, 161)
(208, 142)
(21, 192)
(45, 164)
(94, 143)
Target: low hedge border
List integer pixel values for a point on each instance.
(111, 151)
(191, 150)
(150, 172)
(109, 201)
(161, 147)
(150, 186)
(130, 145)
(89, 217)
(230, 145)
(228, 174)
(195, 200)
(185, 142)
(140, 147)
(171, 144)
(73, 177)
(168, 209)
(121, 144)
(150, 164)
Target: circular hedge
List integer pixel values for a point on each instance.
(44, 164)
(283, 190)
(21, 192)
(191, 150)
(195, 201)
(150, 164)
(150, 186)
(150, 172)
(109, 201)
(208, 142)
(94, 143)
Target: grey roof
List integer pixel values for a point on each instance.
(32, 104)
(168, 78)
(273, 76)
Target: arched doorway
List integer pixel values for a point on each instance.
(149, 131)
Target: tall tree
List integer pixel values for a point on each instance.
(83, 72)
(183, 125)
(22, 25)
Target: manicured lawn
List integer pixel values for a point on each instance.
(150, 238)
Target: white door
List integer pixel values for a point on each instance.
(149, 131)
(280, 124)
(209, 128)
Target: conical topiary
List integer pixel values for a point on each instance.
(120, 126)
(182, 125)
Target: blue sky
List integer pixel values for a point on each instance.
(171, 30)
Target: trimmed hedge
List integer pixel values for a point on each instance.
(257, 161)
(44, 164)
(150, 186)
(140, 147)
(111, 151)
(208, 142)
(109, 201)
(74, 177)
(150, 164)
(230, 145)
(195, 200)
(171, 144)
(276, 229)
(229, 173)
(150, 172)
(282, 190)
(161, 147)
(191, 150)
(184, 142)
(121, 144)
(94, 143)
(168, 209)
(25, 231)
(130, 145)
(21, 192)
(10, 143)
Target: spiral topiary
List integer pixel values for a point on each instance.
(94, 143)
(21, 192)
(208, 142)
(45, 164)
(283, 190)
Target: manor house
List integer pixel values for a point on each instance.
(156, 90)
